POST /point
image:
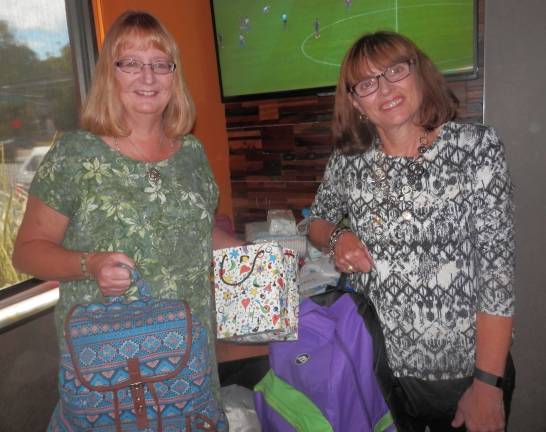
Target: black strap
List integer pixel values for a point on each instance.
(258, 254)
(488, 378)
(332, 292)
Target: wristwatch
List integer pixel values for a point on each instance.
(488, 378)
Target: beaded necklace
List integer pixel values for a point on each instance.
(403, 197)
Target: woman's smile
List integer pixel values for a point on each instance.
(392, 103)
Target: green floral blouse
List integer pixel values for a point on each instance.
(166, 227)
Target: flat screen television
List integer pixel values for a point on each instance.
(276, 48)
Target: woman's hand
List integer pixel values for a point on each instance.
(109, 271)
(351, 255)
(480, 409)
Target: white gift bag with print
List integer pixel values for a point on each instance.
(256, 293)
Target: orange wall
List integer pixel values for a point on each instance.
(190, 23)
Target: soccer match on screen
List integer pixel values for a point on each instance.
(268, 46)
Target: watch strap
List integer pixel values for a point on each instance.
(488, 378)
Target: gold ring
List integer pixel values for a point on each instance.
(350, 268)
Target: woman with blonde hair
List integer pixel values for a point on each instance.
(132, 188)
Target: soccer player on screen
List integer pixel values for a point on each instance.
(316, 26)
(284, 19)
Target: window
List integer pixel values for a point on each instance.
(47, 49)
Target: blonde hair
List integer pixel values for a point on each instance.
(102, 112)
(382, 49)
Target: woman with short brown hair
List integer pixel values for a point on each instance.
(383, 49)
(430, 230)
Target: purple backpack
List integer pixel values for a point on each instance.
(325, 380)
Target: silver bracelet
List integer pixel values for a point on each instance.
(334, 237)
(83, 266)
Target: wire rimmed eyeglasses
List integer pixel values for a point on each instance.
(392, 74)
(161, 67)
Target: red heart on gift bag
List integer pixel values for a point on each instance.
(275, 319)
(244, 269)
(280, 281)
(245, 302)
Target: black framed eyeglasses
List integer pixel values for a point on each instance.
(132, 66)
(394, 73)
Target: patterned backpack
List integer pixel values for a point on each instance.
(135, 365)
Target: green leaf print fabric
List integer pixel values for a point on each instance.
(166, 227)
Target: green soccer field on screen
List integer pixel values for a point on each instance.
(267, 46)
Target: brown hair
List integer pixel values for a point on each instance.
(102, 112)
(381, 49)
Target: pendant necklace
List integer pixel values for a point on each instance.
(402, 197)
(153, 174)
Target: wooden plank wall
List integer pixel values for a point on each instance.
(278, 148)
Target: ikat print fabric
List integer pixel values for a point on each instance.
(256, 293)
(440, 256)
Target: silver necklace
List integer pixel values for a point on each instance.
(402, 197)
(153, 174)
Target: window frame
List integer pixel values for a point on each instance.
(83, 41)
(83, 44)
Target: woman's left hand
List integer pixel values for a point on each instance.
(351, 255)
(480, 409)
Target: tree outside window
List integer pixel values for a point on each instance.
(38, 103)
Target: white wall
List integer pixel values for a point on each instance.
(515, 104)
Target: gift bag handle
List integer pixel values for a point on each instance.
(258, 254)
(144, 291)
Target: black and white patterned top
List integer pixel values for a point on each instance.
(452, 257)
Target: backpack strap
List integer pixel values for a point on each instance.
(292, 405)
(153, 392)
(137, 393)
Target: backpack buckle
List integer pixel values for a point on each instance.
(139, 404)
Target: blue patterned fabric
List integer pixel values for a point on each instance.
(100, 385)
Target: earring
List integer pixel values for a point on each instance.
(363, 118)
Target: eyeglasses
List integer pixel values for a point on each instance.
(133, 66)
(392, 74)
